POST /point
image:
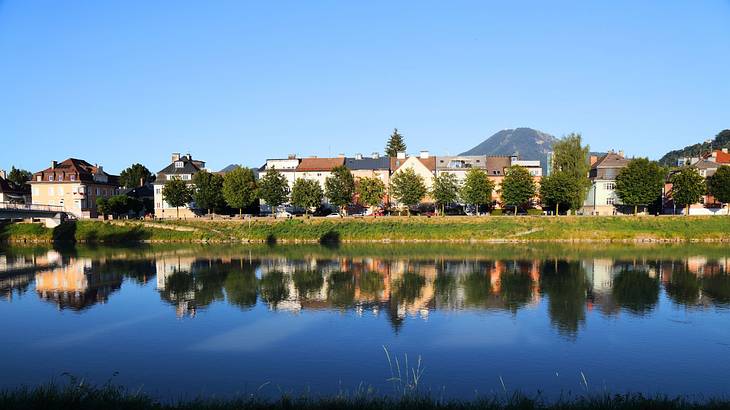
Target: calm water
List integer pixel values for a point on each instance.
(181, 321)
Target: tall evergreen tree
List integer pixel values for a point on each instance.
(687, 187)
(396, 144)
(518, 187)
(571, 158)
(477, 188)
(340, 187)
(19, 176)
(640, 183)
(718, 185)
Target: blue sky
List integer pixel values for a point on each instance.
(237, 82)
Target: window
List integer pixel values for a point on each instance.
(35, 191)
(50, 177)
(98, 191)
(179, 164)
(50, 190)
(158, 191)
(73, 177)
(610, 201)
(610, 186)
(39, 178)
(60, 190)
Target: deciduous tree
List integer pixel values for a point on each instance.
(340, 187)
(557, 191)
(640, 183)
(687, 187)
(370, 191)
(518, 187)
(571, 158)
(274, 189)
(306, 193)
(239, 188)
(718, 185)
(408, 188)
(477, 188)
(445, 190)
(208, 191)
(19, 176)
(176, 193)
(136, 175)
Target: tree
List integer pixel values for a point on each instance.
(557, 191)
(370, 191)
(477, 188)
(687, 187)
(445, 190)
(640, 183)
(136, 175)
(408, 188)
(208, 191)
(176, 193)
(239, 188)
(570, 157)
(518, 187)
(396, 144)
(274, 189)
(102, 206)
(19, 176)
(119, 204)
(306, 193)
(340, 187)
(718, 185)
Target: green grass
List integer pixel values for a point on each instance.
(82, 397)
(449, 229)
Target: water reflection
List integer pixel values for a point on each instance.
(397, 287)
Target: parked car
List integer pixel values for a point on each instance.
(333, 215)
(283, 214)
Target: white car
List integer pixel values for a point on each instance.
(333, 215)
(283, 214)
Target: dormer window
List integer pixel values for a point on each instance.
(72, 177)
(179, 164)
(50, 177)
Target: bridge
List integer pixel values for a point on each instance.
(52, 215)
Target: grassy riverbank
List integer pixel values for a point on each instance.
(456, 229)
(82, 397)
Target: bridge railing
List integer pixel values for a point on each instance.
(31, 207)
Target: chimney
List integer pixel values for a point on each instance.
(358, 156)
(340, 155)
(175, 156)
(376, 155)
(99, 169)
(401, 155)
(424, 154)
(292, 156)
(141, 181)
(3, 175)
(593, 159)
(53, 164)
(621, 153)
(724, 150)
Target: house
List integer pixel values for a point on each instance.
(424, 165)
(9, 192)
(75, 185)
(182, 167)
(496, 167)
(601, 198)
(374, 166)
(318, 169)
(720, 156)
(286, 166)
(460, 165)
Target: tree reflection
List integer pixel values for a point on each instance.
(308, 283)
(445, 289)
(190, 290)
(408, 288)
(516, 289)
(242, 286)
(477, 288)
(274, 288)
(636, 291)
(341, 292)
(371, 284)
(683, 287)
(718, 287)
(566, 286)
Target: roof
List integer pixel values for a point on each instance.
(81, 170)
(144, 191)
(190, 166)
(429, 162)
(611, 160)
(367, 163)
(461, 162)
(722, 157)
(319, 164)
(705, 164)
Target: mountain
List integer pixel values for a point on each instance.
(530, 144)
(722, 140)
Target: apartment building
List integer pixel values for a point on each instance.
(601, 198)
(75, 185)
(181, 167)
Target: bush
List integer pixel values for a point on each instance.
(534, 212)
(497, 212)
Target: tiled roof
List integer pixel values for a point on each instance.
(611, 160)
(429, 163)
(367, 163)
(722, 157)
(319, 164)
(189, 167)
(78, 168)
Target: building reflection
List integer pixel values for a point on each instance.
(77, 285)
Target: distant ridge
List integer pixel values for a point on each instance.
(529, 143)
(721, 140)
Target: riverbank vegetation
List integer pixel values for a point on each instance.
(335, 230)
(82, 396)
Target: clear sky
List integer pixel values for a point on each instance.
(237, 82)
